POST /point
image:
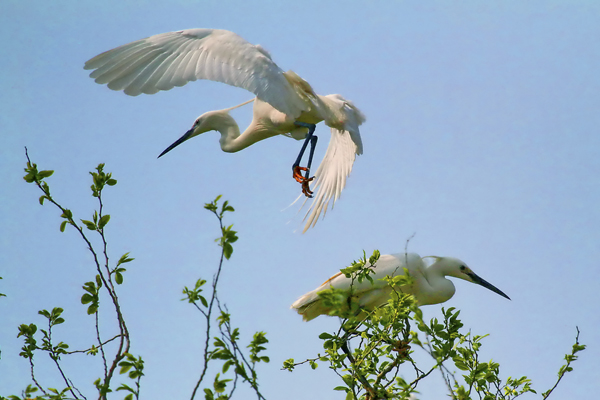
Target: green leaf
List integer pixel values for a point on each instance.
(227, 250)
(289, 364)
(125, 259)
(89, 224)
(226, 365)
(90, 287)
(375, 257)
(578, 347)
(118, 278)
(208, 394)
(220, 384)
(461, 365)
(44, 174)
(111, 182)
(125, 366)
(92, 309)
(63, 225)
(348, 380)
(86, 298)
(30, 177)
(203, 300)
(125, 387)
(103, 221)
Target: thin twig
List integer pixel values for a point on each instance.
(86, 350)
(31, 364)
(101, 345)
(304, 362)
(209, 313)
(358, 375)
(124, 334)
(398, 359)
(565, 369)
(55, 357)
(441, 365)
(73, 386)
(124, 342)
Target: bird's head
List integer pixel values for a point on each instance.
(459, 269)
(209, 121)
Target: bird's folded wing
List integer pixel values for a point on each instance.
(163, 61)
(386, 266)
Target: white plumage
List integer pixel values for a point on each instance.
(171, 59)
(429, 283)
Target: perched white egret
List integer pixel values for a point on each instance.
(429, 286)
(285, 104)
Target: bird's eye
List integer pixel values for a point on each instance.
(462, 267)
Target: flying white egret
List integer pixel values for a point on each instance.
(285, 104)
(429, 286)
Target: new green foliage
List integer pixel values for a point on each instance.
(226, 347)
(372, 351)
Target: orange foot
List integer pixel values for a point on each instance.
(304, 181)
(305, 189)
(297, 175)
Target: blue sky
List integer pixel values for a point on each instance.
(481, 138)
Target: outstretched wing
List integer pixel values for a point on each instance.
(163, 61)
(336, 166)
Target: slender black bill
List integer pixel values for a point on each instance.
(487, 285)
(182, 139)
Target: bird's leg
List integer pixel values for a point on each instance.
(296, 168)
(308, 138)
(305, 189)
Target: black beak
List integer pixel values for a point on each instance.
(182, 139)
(487, 285)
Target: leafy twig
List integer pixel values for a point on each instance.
(104, 277)
(567, 367)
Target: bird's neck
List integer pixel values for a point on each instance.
(439, 288)
(231, 140)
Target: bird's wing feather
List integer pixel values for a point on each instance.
(336, 166)
(369, 294)
(387, 264)
(163, 61)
